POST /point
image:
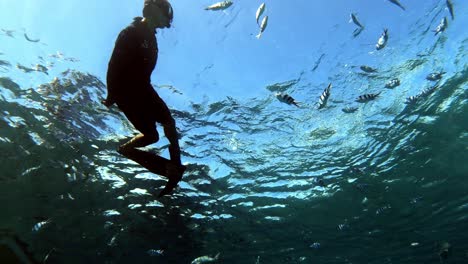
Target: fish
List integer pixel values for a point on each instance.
(263, 25)
(367, 97)
(412, 99)
(349, 109)
(382, 42)
(205, 259)
(155, 252)
(355, 20)
(357, 31)
(219, 6)
(450, 8)
(40, 225)
(396, 2)
(260, 11)
(368, 69)
(435, 76)
(441, 27)
(324, 97)
(392, 83)
(315, 245)
(286, 98)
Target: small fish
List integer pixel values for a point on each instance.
(324, 97)
(205, 259)
(382, 42)
(367, 69)
(29, 39)
(286, 98)
(41, 68)
(367, 97)
(411, 99)
(357, 31)
(396, 2)
(450, 8)
(435, 76)
(263, 25)
(315, 245)
(392, 83)
(343, 227)
(441, 27)
(219, 6)
(349, 109)
(40, 225)
(355, 20)
(260, 11)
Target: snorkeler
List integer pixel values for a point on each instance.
(129, 86)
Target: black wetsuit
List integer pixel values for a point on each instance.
(129, 78)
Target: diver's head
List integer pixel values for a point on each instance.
(158, 13)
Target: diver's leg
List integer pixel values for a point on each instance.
(171, 133)
(140, 140)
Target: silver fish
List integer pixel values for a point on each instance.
(219, 6)
(260, 11)
(441, 27)
(263, 25)
(396, 2)
(324, 97)
(392, 83)
(368, 69)
(205, 259)
(155, 252)
(450, 8)
(349, 109)
(366, 97)
(355, 20)
(382, 42)
(286, 98)
(435, 76)
(40, 225)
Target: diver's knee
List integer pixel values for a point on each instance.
(152, 137)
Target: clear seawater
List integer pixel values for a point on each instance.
(267, 182)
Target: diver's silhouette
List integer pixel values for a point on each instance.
(129, 86)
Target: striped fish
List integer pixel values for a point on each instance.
(392, 83)
(382, 42)
(349, 109)
(324, 97)
(366, 97)
(435, 76)
(368, 69)
(427, 91)
(40, 225)
(286, 98)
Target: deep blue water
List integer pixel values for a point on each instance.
(267, 182)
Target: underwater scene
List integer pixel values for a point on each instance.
(309, 131)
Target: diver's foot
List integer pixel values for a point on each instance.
(174, 173)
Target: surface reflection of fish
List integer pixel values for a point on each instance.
(382, 42)
(219, 6)
(29, 39)
(286, 98)
(441, 27)
(41, 68)
(357, 31)
(260, 11)
(263, 25)
(368, 69)
(205, 259)
(349, 109)
(24, 68)
(450, 8)
(324, 97)
(396, 2)
(435, 76)
(392, 83)
(355, 20)
(367, 97)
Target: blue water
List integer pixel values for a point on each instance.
(267, 182)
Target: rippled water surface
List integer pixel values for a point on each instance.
(267, 182)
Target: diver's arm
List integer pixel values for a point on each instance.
(121, 59)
